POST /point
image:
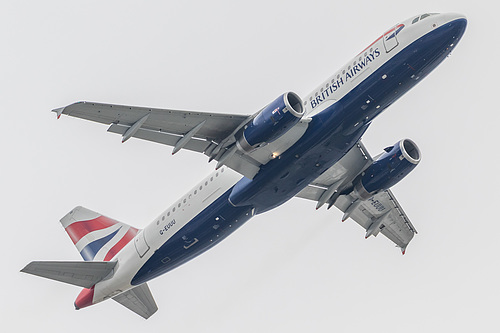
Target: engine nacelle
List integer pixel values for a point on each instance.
(388, 169)
(272, 122)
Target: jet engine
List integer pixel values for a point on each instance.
(392, 166)
(272, 122)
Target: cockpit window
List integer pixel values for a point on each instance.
(416, 19)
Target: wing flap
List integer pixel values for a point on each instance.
(139, 300)
(341, 173)
(79, 273)
(395, 224)
(161, 137)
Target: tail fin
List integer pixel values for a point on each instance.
(96, 236)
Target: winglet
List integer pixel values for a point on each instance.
(59, 111)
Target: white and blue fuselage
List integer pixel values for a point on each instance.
(340, 110)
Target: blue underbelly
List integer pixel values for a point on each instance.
(208, 228)
(335, 130)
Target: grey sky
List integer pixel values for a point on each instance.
(292, 269)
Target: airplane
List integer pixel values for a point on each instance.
(307, 148)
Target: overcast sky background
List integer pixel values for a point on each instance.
(293, 269)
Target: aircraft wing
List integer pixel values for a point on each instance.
(158, 125)
(213, 134)
(380, 214)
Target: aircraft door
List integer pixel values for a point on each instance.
(140, 244)
(390, 39)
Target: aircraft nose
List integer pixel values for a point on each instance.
(457, 21)
(458, 25)
(452, 27)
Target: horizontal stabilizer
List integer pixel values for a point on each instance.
(79, 273)
(139, 299)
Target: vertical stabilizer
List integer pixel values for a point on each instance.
(96, 236)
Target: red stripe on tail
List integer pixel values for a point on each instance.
(78, 230)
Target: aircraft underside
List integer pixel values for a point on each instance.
(311, 149)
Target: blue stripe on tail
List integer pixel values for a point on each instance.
(89, 252)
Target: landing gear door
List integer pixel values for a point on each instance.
(140, 244)
(390, 39)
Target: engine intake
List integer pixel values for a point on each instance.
(392, 166)
(272, 122)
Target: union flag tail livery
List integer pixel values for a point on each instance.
(96, 236)
(308, 148)
(98, 239)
